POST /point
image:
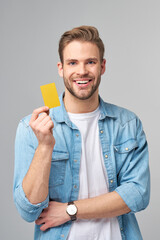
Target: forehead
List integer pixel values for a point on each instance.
(80, 50)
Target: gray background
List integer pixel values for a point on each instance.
(29, 34)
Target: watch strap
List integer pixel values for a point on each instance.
(73, 217)
(69, 203)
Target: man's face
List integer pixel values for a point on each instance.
(81, 69)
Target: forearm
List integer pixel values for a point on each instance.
(35, 183)
(104, 206)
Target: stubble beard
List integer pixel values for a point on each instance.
(82, 96)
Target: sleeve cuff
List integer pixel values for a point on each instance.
(30, 212)
(131, 196)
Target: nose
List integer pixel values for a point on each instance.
(82, 69)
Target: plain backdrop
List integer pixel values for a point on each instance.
(29, 35)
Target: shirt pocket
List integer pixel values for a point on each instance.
(58, 168)
(126, 147)
(124, 154)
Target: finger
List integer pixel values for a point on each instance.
(49, 125)
(45, 226)
(45, 125)
(37, 111)
(40, 118)
(43, 214)
(39, 221)
(45, 120)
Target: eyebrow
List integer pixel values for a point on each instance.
(75, 60)
(71, 60)
(92, 59)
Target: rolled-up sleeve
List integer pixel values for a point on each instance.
(134, 177)
(24, 152)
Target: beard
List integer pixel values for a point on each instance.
(82, 95)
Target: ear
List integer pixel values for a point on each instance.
(103, 66)
(60, 69)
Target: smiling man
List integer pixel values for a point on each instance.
(82, 74)
(81, 171)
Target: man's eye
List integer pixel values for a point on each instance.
(91, 62)
(72, 63)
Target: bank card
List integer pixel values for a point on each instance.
(50, 95)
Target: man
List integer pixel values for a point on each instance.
(81, 171)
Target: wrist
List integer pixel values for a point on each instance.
(45, 148)
(45, 152)
(72, 210)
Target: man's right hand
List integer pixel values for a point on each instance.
(42, 125)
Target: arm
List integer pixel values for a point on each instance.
(32, 166)
(104, 206)
(35, 182)
(131, 195)
(134, 176)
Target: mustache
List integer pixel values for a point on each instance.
(82, 76)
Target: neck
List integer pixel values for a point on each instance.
(75, 105)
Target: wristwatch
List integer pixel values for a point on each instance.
(72, 211)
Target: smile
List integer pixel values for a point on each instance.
(83, 82)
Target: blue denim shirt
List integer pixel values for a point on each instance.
(125, 154)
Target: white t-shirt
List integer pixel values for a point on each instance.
(93, 180)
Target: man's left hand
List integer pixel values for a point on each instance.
(52, 216)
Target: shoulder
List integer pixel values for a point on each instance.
(25, 120)
(120, 114)
(23, 128)
(25, 134)
(126, 123)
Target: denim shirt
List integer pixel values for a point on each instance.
(125, 153)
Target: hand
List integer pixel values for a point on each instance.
(42, 126)
(53, 216)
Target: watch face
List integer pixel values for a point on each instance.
(71, 209)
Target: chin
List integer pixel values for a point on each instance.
(83, 96)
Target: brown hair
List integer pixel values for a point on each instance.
(82, 33)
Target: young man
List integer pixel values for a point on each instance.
(81, 171)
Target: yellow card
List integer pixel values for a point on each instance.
(50, 95)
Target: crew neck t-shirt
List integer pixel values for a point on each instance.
(93, 180)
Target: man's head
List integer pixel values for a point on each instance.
(83, 34)
(82, 63)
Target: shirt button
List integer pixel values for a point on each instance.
(121, 229)
(101, 131)
(77, 135)
(62, 235)
(75, 160)
(75, 186)
(106, 156)
(111, 181)
(126, 149)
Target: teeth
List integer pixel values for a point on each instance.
(82, 82)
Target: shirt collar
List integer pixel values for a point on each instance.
(106, 110)
(60, 115)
